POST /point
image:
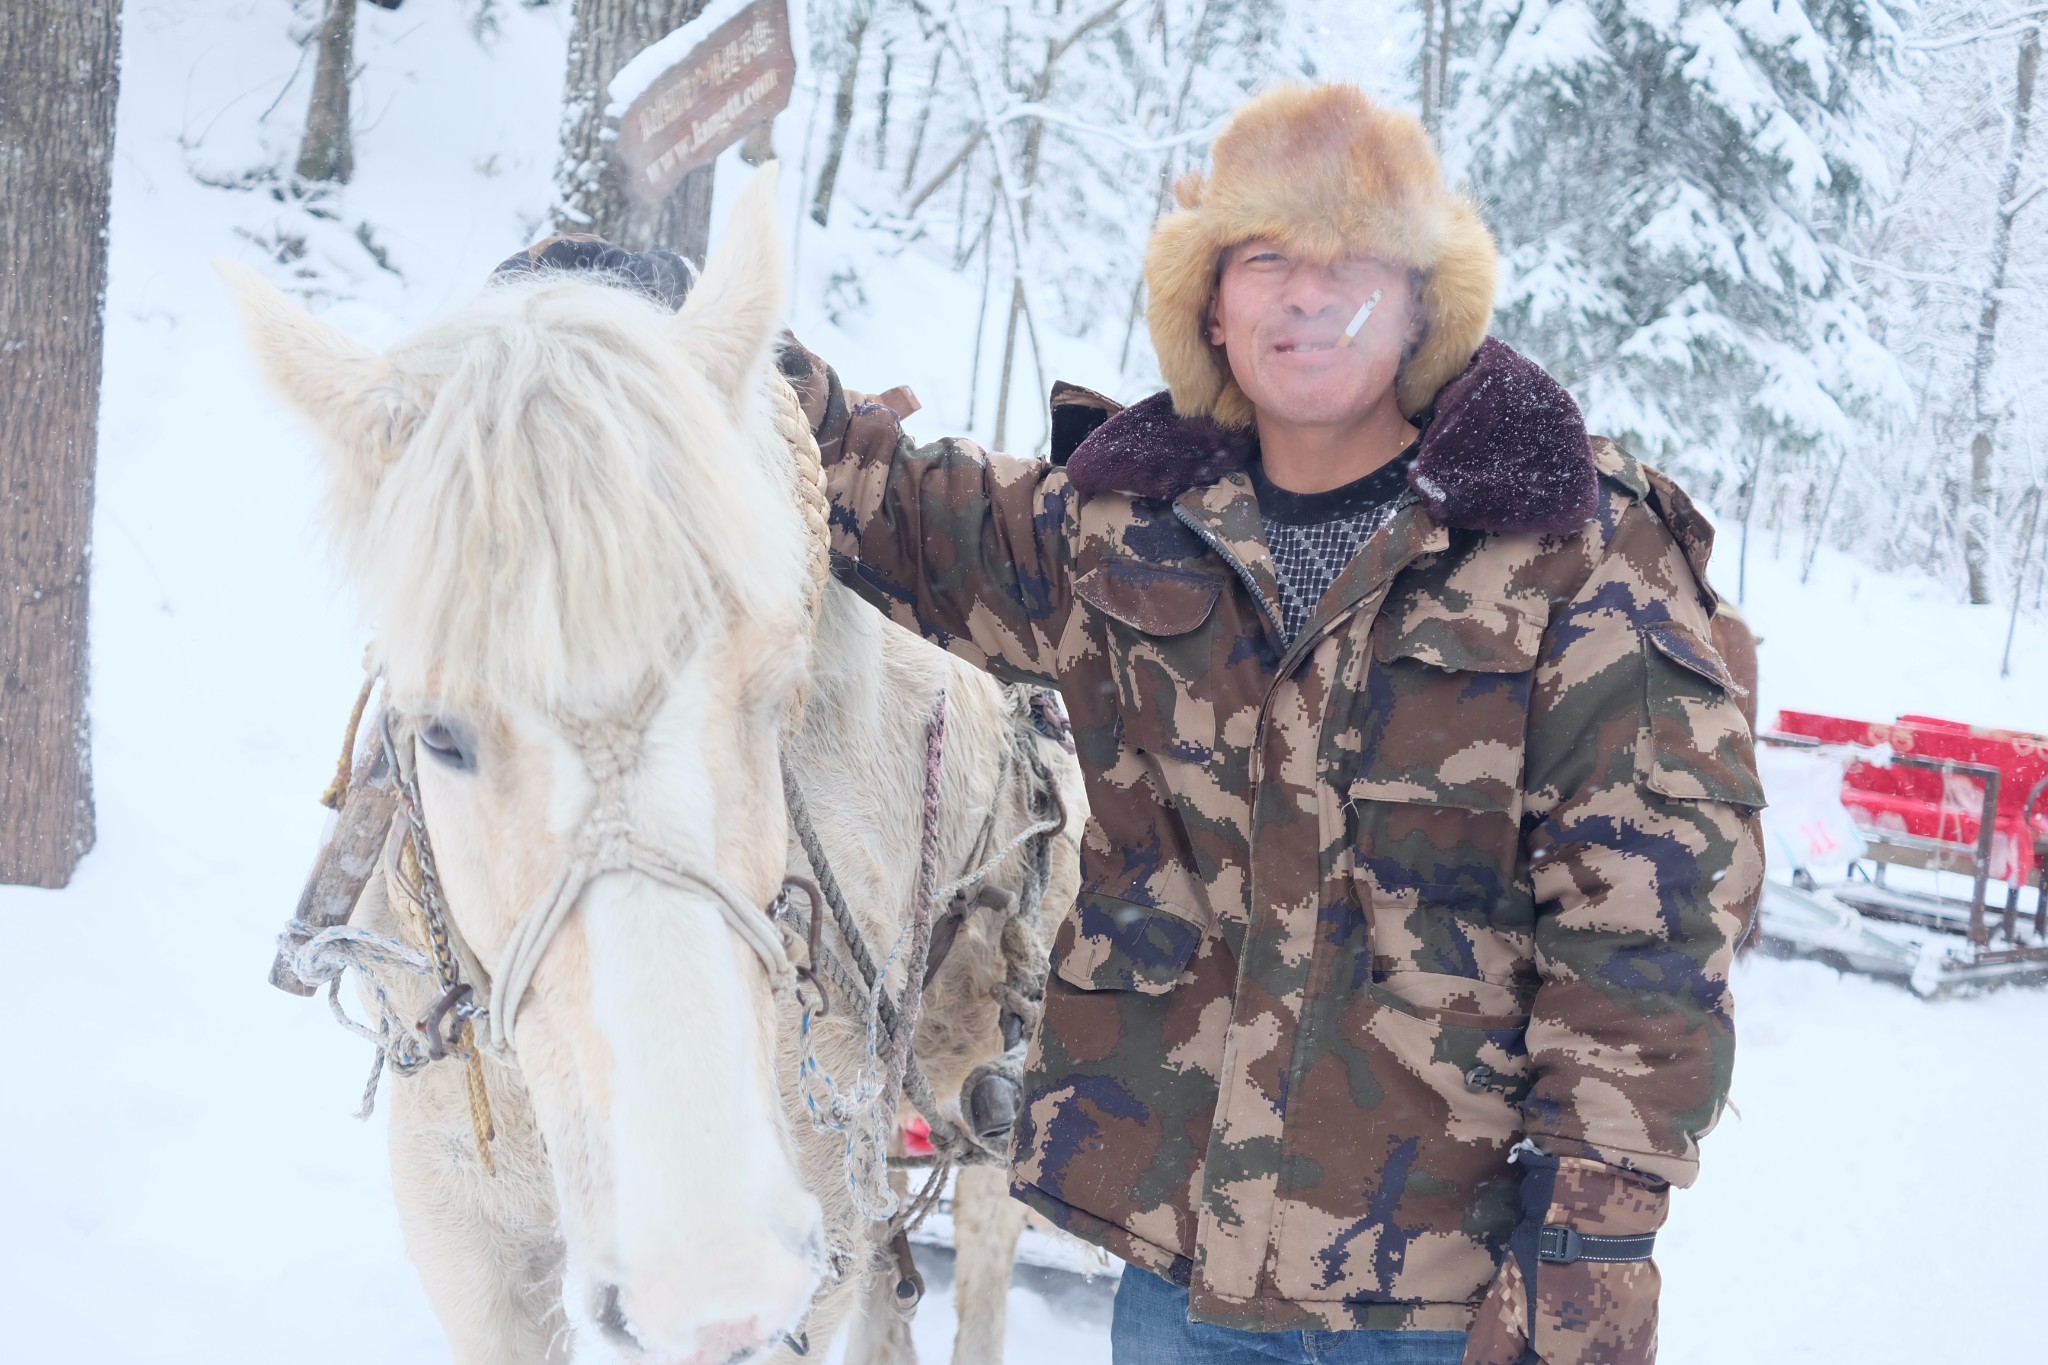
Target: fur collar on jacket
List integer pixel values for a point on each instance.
(1503, 449)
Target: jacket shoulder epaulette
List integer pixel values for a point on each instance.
(1671, 504)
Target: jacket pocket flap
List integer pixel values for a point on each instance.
(1478, 636)
(1154, 600)
(1700, 748)
(1108, 944)
(1684, 647)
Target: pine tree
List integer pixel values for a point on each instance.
(1669, 183)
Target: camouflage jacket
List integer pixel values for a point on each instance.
(1462, 863)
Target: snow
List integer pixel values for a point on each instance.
(183, 1182)
(1721, 69)
(1860, 1208)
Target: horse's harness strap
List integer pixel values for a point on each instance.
(955, 1144)
(605, 842)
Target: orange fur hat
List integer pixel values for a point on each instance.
(1327, 173)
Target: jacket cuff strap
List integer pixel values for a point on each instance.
(1558, 1244)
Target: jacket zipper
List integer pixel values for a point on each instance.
(1187, 519)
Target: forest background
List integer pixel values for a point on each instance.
(1791, 252)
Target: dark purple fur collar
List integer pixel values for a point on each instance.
(1503, 449)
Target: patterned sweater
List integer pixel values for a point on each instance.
(1314, 535)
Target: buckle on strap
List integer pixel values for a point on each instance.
(1561, 1245)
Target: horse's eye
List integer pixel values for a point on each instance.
(449, 744)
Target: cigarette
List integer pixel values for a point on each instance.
(1358, 321)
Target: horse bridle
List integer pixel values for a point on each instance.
(605, 841)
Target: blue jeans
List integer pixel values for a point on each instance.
(1150, 1327)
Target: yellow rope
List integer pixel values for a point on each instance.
(480, 1120)
(795, 430)
(337, 790)
(479, 1100)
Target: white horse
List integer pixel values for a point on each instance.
(579, 526)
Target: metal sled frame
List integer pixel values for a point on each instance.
(1935, 944)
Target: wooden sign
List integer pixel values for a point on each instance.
(699, 90)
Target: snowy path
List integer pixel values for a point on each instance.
(179, 1178)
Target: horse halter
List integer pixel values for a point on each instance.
(605, 841)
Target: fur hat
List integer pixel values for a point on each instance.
(1327, 173)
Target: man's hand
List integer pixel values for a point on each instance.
(1584, 1246)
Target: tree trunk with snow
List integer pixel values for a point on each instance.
(58, 68)
(1433, 67)
(591, 192)
(842, 118)
(326, 153)
(1977, 529)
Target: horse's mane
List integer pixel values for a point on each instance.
(576, 499)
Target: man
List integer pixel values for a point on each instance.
(1396, 995)
(1423, 809)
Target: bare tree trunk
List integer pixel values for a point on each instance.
(1197, 54)
(59, 69)
(327, 152)
(988, 267)
(882, 105)
(1752, 481)
(924, 115)
(1977, 517)
(1034, 143)
(590, 191)
(1002, 436)
(842, 118)
(1427, 81)
(1443, 61)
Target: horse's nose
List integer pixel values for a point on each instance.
(611, 1319)
(993, 1104)
(716, 1343)
(728, 1309)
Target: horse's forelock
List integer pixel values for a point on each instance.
(577, 499)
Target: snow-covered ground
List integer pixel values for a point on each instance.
(179, 1177)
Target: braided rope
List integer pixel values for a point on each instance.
(1024, 836)
(863, 1111)
(923, 897)
(808, 469)
(480, 1121)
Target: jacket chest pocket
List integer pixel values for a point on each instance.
(1161, 637)
(1437, 797)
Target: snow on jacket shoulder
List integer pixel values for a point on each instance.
(1462, 863)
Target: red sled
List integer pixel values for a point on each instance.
(1942, 796)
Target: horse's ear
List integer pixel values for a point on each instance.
(355, 398)
(732, 313)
